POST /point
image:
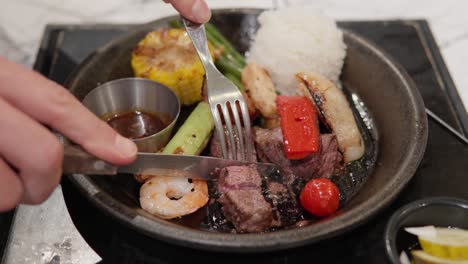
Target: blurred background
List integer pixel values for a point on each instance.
(22, 21)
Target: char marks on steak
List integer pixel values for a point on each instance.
(286, 210)
(255, 201)
(270, 148)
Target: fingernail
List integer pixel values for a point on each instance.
(200, 11)
(125, 146)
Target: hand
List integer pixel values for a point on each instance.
(30, 155)
(194, 10)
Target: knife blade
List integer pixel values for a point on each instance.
(78, 161)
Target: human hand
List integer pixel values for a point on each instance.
(30, 154)
(194, 10)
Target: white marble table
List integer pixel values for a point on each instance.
(22, 23)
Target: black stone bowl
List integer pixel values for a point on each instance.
(436, 211)
(383, 85)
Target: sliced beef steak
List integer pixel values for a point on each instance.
(270, 148)
(238, 178)
(253, 203)
(247, 210)
(330, 157)
(215, 147)
(242, 200)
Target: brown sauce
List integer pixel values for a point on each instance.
(137, 124)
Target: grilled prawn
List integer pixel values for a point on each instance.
(172, 197)
(261, 90)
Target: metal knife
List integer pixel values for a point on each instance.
(78, 161)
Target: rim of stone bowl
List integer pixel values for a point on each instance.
(261, 242)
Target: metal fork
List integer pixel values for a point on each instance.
(224, 98)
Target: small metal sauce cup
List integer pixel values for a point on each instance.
(129, 94)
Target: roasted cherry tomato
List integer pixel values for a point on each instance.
(320, 197)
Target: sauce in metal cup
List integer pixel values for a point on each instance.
(140, 109)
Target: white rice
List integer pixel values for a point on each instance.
(297, 39)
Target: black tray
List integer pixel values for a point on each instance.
(441, 173)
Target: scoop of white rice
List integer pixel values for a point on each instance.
(297, 39)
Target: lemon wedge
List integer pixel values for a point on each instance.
(446, 243)
(421, 257)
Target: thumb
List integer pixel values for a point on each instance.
(194, 10)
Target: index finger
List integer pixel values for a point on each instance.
(51, 104)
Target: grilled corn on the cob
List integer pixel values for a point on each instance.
(167, 56)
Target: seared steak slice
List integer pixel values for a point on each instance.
(270, 147)
(215, 147)
(238, 178)
(252, 205)
(247, 210)
(242, 200)
(330, 157)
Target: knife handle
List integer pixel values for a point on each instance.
(78, 161)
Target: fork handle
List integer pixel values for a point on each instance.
(197, 34)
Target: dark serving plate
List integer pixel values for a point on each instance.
(381, 83)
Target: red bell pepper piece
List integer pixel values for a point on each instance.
(299, 124)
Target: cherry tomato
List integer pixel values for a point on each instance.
(320, 197)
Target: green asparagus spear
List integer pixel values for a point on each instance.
(226, 54)
(175, 23)
(194, 134)
(236, 81)
(227, 45)
(226, 66)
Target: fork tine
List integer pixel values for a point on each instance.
(221, 90)
(227, 120)
(247, 131)
(235, 113)
(220, 129)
